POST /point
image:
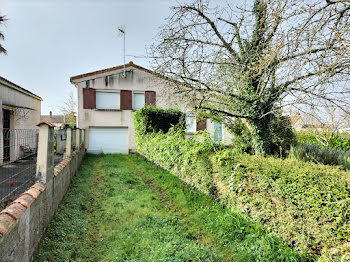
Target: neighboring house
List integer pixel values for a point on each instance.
(305, 122)
(57, 120)
(108, 98)
(20, 111)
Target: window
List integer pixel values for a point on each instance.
(190, 124)
(139, 100)
(107, 99)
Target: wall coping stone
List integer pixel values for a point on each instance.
(61, 165)
(16, 209)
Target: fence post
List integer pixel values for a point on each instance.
(45, 158)
(77, 140)
(1, 146)
(83, 136)
(69, 142)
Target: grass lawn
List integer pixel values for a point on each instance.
(123, 208)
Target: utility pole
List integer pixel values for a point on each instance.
(122, 33)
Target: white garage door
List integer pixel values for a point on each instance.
(109, 139)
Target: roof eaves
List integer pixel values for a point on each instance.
(130, 64)
(10, 84)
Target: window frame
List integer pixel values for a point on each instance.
(194, 124)
(108, 91)
(133, 99)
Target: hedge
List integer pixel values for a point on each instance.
(152, 119)
(306, 204)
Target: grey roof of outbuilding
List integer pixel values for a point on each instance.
(21, 89)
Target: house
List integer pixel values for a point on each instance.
(305, 122)
(19, 117)
(107, 99)
(57, 120)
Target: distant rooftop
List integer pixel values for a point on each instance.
(52, 118)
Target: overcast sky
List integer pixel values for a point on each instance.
(50, 40)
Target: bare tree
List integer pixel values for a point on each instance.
(2, 37)
(250, 62)
(68, 108)
(330, 120)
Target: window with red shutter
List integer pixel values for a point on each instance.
(150, 98)
(126, 100)
(202, 125)
(89, 98)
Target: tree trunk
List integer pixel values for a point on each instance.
(261, 135)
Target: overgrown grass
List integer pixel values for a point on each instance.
(109, 214)
(232, 233)
(123, 208)
(306, 204)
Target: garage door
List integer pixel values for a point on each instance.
(109, 139)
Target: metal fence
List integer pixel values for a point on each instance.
(18, 149)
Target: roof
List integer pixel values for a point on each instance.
(293, 119)
(12, 85)
(53, 119)
(130, 64)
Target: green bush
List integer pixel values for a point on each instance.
(306, 204)
(281, 134)
(152, 119)
(189, 159)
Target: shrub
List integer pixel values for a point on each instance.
(338, 141)
(151, 119)
(186, 158)
(282, 135)
(317, 154)
(306, 204)
(280, 130)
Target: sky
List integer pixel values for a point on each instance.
(48, 41)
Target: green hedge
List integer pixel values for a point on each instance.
(305, 204)
(188, 159)
(152, 119)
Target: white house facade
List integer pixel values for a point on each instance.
(108, 98)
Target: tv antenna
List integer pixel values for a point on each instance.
(122, 33)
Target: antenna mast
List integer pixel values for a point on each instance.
(122, 33)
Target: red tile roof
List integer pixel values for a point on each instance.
(293, 119)
(130, 64)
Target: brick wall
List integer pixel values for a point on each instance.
(24, 222)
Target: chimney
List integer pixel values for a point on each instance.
(50, 114)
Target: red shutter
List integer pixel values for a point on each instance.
(125, 100)
(202, 125)
(150, 98)
(89, 98)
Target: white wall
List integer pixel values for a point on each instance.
(140, 81)
(21, 118)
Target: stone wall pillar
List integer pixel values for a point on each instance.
(69, 142)
(83, 136)
(1, 145)
(45, 156)
(1, 134)
(77, 140)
